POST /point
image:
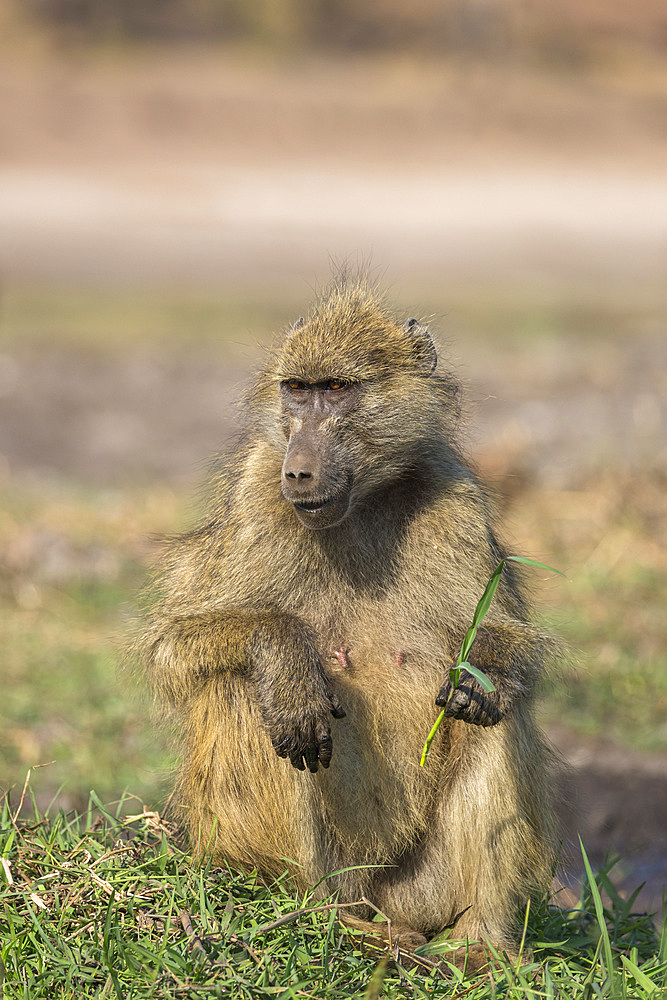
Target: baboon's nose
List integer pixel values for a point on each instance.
(298, 474)
(299, 471)
(297, 467)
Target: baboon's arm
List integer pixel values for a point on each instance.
(278, 654)
(511, 654)
(507, 648)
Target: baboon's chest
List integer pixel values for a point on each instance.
(387, 674)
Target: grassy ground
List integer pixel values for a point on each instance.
(107, 905)
(119, 318)
(609, 537)
(114, 319)
(72, 570)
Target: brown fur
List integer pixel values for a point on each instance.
(262, 624)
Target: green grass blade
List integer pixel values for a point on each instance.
(478, 617)
(466, 645)
(376, 982)
(599, 913)
(533, 562)
(484, 602)
(430, 738)
(640, 977)
(479, 675)
(523, 936)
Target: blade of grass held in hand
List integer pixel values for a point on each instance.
(533, 562)
(484, 602)
(485, 682)
(478, 617)
(430, 737)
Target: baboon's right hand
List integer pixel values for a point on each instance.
(299, 725)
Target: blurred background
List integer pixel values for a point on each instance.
(175, 181)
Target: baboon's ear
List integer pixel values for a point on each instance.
(297, 323)
(426, 352)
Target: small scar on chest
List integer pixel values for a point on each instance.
(342, 656)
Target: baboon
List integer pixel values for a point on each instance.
(303, 635)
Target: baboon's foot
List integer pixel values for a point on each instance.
(470, 958)
(477, 956)
(399, 940)
(385, 930)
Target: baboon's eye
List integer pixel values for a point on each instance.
(294, 383)
(336, 383)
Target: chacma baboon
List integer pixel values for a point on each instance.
(303, 633)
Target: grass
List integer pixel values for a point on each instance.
(181, 318)
(118, 319)
(106, 904)
(610, 537)
(462, 663)
(71, 565)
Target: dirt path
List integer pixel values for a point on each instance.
(552, 414)
(220, 224)
(201, 166)
(616, 800)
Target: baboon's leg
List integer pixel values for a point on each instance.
(407, 938)
(242, 803)
(488, 846)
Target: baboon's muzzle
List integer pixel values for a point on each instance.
(316, 479)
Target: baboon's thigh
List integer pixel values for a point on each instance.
(487, 846)
(242, 803)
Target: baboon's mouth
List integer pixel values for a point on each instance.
(323, 512)
(314, 505)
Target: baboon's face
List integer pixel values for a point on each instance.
(317, 474)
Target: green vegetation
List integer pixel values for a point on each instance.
(100, 320)
(610, 537)
(71, 565)
(462, 663)
(180, 318)
(106, 904)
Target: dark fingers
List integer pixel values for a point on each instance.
(296, 759)
(326, 749)
(337, 709)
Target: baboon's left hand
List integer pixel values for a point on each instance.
(470, 702)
